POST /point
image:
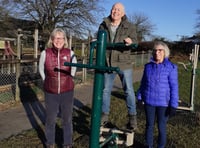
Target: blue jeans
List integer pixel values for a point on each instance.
(126, 77)
(53, 103)
(153, 112)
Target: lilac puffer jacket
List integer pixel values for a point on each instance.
(159, 85)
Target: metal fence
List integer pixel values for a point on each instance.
(14, 74)
(18, 75)
(142, 57)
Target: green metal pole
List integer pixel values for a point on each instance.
(97, 92)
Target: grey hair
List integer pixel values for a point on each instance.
(53, 34)
(166, 48)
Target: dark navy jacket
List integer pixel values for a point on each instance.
(159, 85)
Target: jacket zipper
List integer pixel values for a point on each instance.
(58, 71)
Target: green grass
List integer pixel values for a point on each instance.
(183, 129)
(6, 96)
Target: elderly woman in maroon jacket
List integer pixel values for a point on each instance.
(159, 92)
(58, 86)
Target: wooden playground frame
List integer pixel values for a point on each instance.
(194, 57)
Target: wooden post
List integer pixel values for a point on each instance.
(35, 49)
(142, 57)
(84, 74)
(195, 61)
(17, 91)
(70, 41)
(19, 35)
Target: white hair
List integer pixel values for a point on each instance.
(166, 48)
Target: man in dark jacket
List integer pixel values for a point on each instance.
(119, 29)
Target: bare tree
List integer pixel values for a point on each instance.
(143, 25)
(75, 16)
(197, 26)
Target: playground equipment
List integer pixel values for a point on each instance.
(23, 33)
(7, 55)
(8, 51)
(100, 69)
(113, 136)
(194, 61)
(13, 68)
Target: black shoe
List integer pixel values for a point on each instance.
(104, 119)
(132, 124)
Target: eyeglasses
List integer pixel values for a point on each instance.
(159, 50)
(58, 38)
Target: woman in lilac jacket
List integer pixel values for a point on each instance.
(159, 92)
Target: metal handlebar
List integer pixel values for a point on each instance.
(121, 45)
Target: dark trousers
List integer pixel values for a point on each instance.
(153, 112)
(53, 103)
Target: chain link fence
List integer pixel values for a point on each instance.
(14, 75)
